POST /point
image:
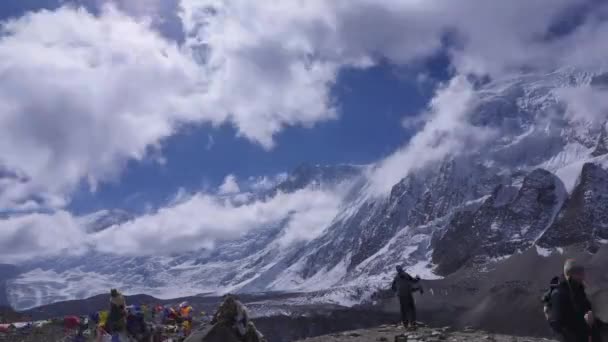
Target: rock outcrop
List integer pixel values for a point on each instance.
(584, 217)
(507, 222)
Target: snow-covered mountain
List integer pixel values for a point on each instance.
(541, 183)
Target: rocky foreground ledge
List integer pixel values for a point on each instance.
(387, 333)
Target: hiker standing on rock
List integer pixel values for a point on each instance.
(570, 315)
(405, 285)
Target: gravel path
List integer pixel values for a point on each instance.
(388, 333)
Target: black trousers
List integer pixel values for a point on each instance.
(408, 309)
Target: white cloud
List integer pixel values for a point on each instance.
(490, 37)
(202, 220)
(498, 37)
(190, 222)
(144, 8)
(33, 235)
(230, 186)
(210, 142)
(81, 95)
(447, 131)
(262, 73)
(585, 103)
(309, 224)
(266, 182)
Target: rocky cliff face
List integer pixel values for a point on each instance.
(507, 222)
(584, 217)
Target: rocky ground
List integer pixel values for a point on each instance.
(49, 333)
(389, 333)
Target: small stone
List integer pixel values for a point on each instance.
(382, 339)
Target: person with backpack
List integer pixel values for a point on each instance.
(404, 285)
(570, 314)
(546, 298)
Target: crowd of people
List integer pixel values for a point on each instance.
(122, 322)
(143, 323)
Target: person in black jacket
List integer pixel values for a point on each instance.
(571, 314)
(404, 285)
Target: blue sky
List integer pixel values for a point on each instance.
(127, 104)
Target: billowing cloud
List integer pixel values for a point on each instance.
(481, 36)
(229, 186)
(80, 95)
(585, 103)
(191, 221)
(202, 220)
(263, 183)
(263, 76)
(25, 236)
(447, 131)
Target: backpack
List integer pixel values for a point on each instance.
(546, 298)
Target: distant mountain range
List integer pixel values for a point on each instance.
(539, 187)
